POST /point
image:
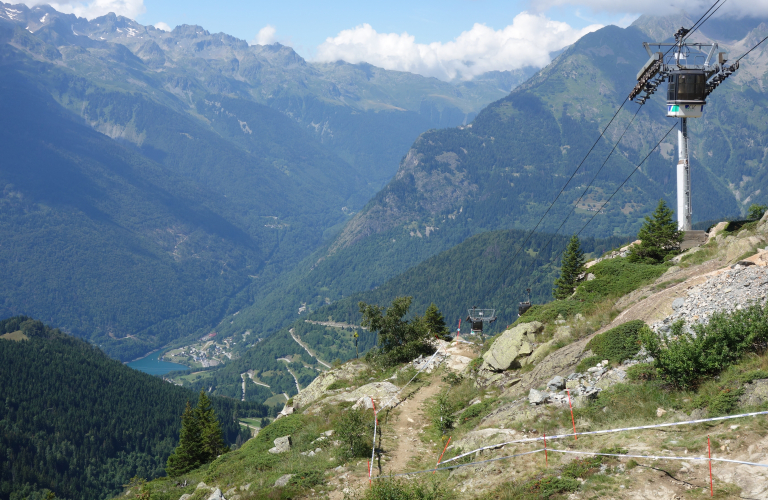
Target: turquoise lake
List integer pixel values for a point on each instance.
(154, 366)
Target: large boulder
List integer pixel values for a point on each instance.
(509, 350)
(282, 445)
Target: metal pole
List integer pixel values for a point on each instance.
(683, 179)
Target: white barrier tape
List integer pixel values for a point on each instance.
(607, 431)
(460, 465)
(651, 457)
(654, 457)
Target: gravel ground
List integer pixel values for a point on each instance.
(735, 289)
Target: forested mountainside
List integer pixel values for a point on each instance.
(366, 115)
(480, 271)
(80, 424)
(153, 183)
(506, 167)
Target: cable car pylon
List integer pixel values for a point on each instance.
(691, 75)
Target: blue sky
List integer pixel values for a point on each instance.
(306, 24)
(446, 39)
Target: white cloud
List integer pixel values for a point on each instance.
(266, 36)
(162, 26)
(95, 8)
(528, 41)
(735, 8)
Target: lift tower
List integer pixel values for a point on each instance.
(691, 74)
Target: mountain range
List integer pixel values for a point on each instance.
(505, 168)
(154, 182)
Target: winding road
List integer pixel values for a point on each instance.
(302, 344)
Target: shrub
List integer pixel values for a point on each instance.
(684, 358)
(338, 384)
(442, 413)
(641, 372)
(582, 467)
(553, 485)
(723, 403)
(587, 363)
(394, 489)
(618, 344)
(353, 429)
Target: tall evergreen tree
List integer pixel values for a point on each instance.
(572, 266)
(659, 237)
(435, 321)
(188, 454)
(210, 429)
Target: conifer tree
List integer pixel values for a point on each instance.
(658, 237)
(187, 455)
(572, 266)
(435, 321)
(210, 429)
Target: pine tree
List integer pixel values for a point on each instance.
(187, 455)
(659, 237)
(572, 266)
(435, 321)
(210, 429)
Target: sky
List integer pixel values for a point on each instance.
(446, 39)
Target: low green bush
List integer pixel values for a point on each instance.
(724, 403)
(587, 363)
(394, 489)
(338, 384)
(641, 372)
(581, 468)
(619, 343)
(685, 358)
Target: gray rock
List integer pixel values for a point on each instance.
(557, 383)
(185, 496)
(282, 481)
(282, 445)
(512, 347)
(678, 303)
(755, 394)
(537, 397)
(590, 277)
(216, 495)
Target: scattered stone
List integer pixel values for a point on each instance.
(537, 397)
(678, 303)
(201, 485)
(475, 401)
(185, 496)
(660, 412)
(282, 445)
(282, 481)
(734, 427)
(229, 493)
(557, 383)
(216, 495)
(590, 277)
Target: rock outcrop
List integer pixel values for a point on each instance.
(512, 348)
(317, 388)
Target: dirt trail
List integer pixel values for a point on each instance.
(400, 435)
(400, 441)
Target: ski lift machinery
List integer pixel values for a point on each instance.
(691, 74)
(478, 317)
